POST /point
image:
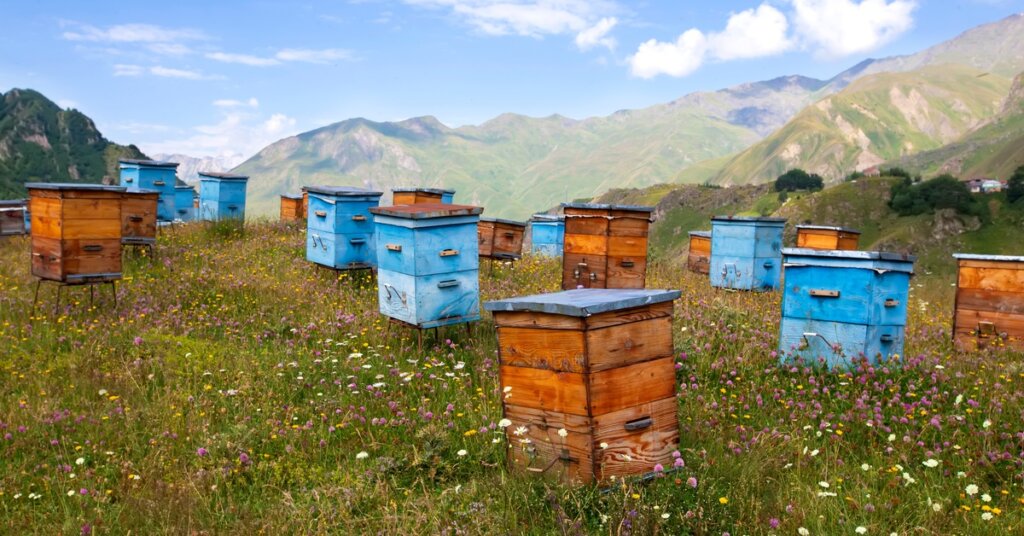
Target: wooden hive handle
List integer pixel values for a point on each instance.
(159, 183)
(638, 424)
(822, 293)
(92, 247)
(448, 283)
(892, 302)
(393, 247)
(448, 252)
(358, 217)
(320, 213)
(357, 241)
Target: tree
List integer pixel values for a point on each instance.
(798, 179)
(945, 191)
(1015, 186)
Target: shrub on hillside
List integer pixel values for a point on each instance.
(1015, 188)
(798, 179)
(944, 191)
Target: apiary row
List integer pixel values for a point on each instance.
(221, 195)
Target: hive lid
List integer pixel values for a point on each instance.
(427, 190)
(141, 191)
(342, 191)
(292, 196)
(603, 206)
(183, 187)
(997, 258)
(547, 217)
(583, 302)
(73, 186)
(848, 254)
(828, 228)
(702, 234)
(506, 222)
(752, 219)
(223, 176)
(13, 202)
(424, 211)
(147, 163)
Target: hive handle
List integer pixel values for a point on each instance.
(638, 424)
(129, 180)
(886, 338)
(393, 247)
(510, 235)
(891, 302)
(92, 247)
(628, 264)
(135, 218)
(357, 241)
(449, 252)
(448, 283)
(320, 213)
(822, 293)
(358, 217)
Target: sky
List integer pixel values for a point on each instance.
(226, 78)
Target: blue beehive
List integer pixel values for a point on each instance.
(428, 269)
(841, 305)
(547, 234)
(152, 175)
(221, 196)
(339, 227)
(184, 208)
(746, 252)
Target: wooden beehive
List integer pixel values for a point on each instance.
(605, 246)
(547, 234)
(840, 306)
(76, 232)
(824, 237)
(415, 196)
(428, 266)
(292, 207)
(12, 217)
(500, 239)
(597, 364)
(221, 196)
(989, 308)
(746, 252)
(152, 175)
(184, 201)
(699, 256)
(138, 217)
(340, 228)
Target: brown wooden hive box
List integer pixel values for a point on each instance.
(416, 196)
(138, 217)
(597, 364)
(605, 246)
(292, 207)
(822, 237)
(699, 256)
(500, 239)
(989, 308)
(76, 231)
(12, 216)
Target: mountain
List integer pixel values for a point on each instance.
(993, 149)
(876, 118)
(39, 141)
(190, 166)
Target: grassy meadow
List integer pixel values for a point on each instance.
(237, 389)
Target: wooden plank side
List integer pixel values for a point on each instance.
(626, 272)
(849, 242)
(991, 300)
(592, 270)
(47, 257)
(79, 259)
(699, 244)
(998, 265)
(138, 218)
(92, 229)
(625, 316)
(699, 263)
(563, 392)
(508, 239)
(622, 345)
(636, 452)
(535, 445)
(1009, 280)
(92, 209)
(485, 238)
(586, 244)
(967, 320)
(542, 348)
(627, 246)
(526, 319)
(817, 239)
(588, 225)
(625, 223)
(619, 388)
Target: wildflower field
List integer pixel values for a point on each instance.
(237, 389)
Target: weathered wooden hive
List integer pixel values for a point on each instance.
(292, 207)
(428, 268)
(184, 201)
(138, 217)
(605, 246)
(76, 231)
(589, 381)
(500, 239)
(221, 196)
(989, 308)
(699, 257)
(824, 237)
(547, 234)
(340, 228)
(152, 175)
(12, 217)
(840, 306)
(415, 196)
(746, 252)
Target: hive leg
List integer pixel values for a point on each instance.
(35, 300)
(92, 292)
(113, 292)
(56, 306)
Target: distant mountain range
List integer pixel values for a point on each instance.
(190, 166)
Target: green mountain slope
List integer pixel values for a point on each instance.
(41, 142)
(877, 118)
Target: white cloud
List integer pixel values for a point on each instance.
(844, 27)
(169, 49)
(752, 33)
(244, 59)
(122, 69)
(597, 35)
(326, 55)
(130, 33)
(232, 103)
(680, 58)
(534, 18)
(238, 134)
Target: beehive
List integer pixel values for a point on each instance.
(500, 239)
(76, 231)
(184, 197)
(840, 306)
(598, 364)
(989, 307)
(152, 175)
(746, 252)
(428, 268)
(305, 202)
(699, 256)
(415, 196)
(547, 234)
(138, 217)
(605, 246)
(339, 227)
(824, 237)
(221, 196)
(12, 217)
(292, 207)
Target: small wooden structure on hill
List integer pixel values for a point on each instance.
(605, 246)
(989, 309)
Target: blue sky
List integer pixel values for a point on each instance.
(223, 77)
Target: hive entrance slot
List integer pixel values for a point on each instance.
(638, 424)
(986, 329)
